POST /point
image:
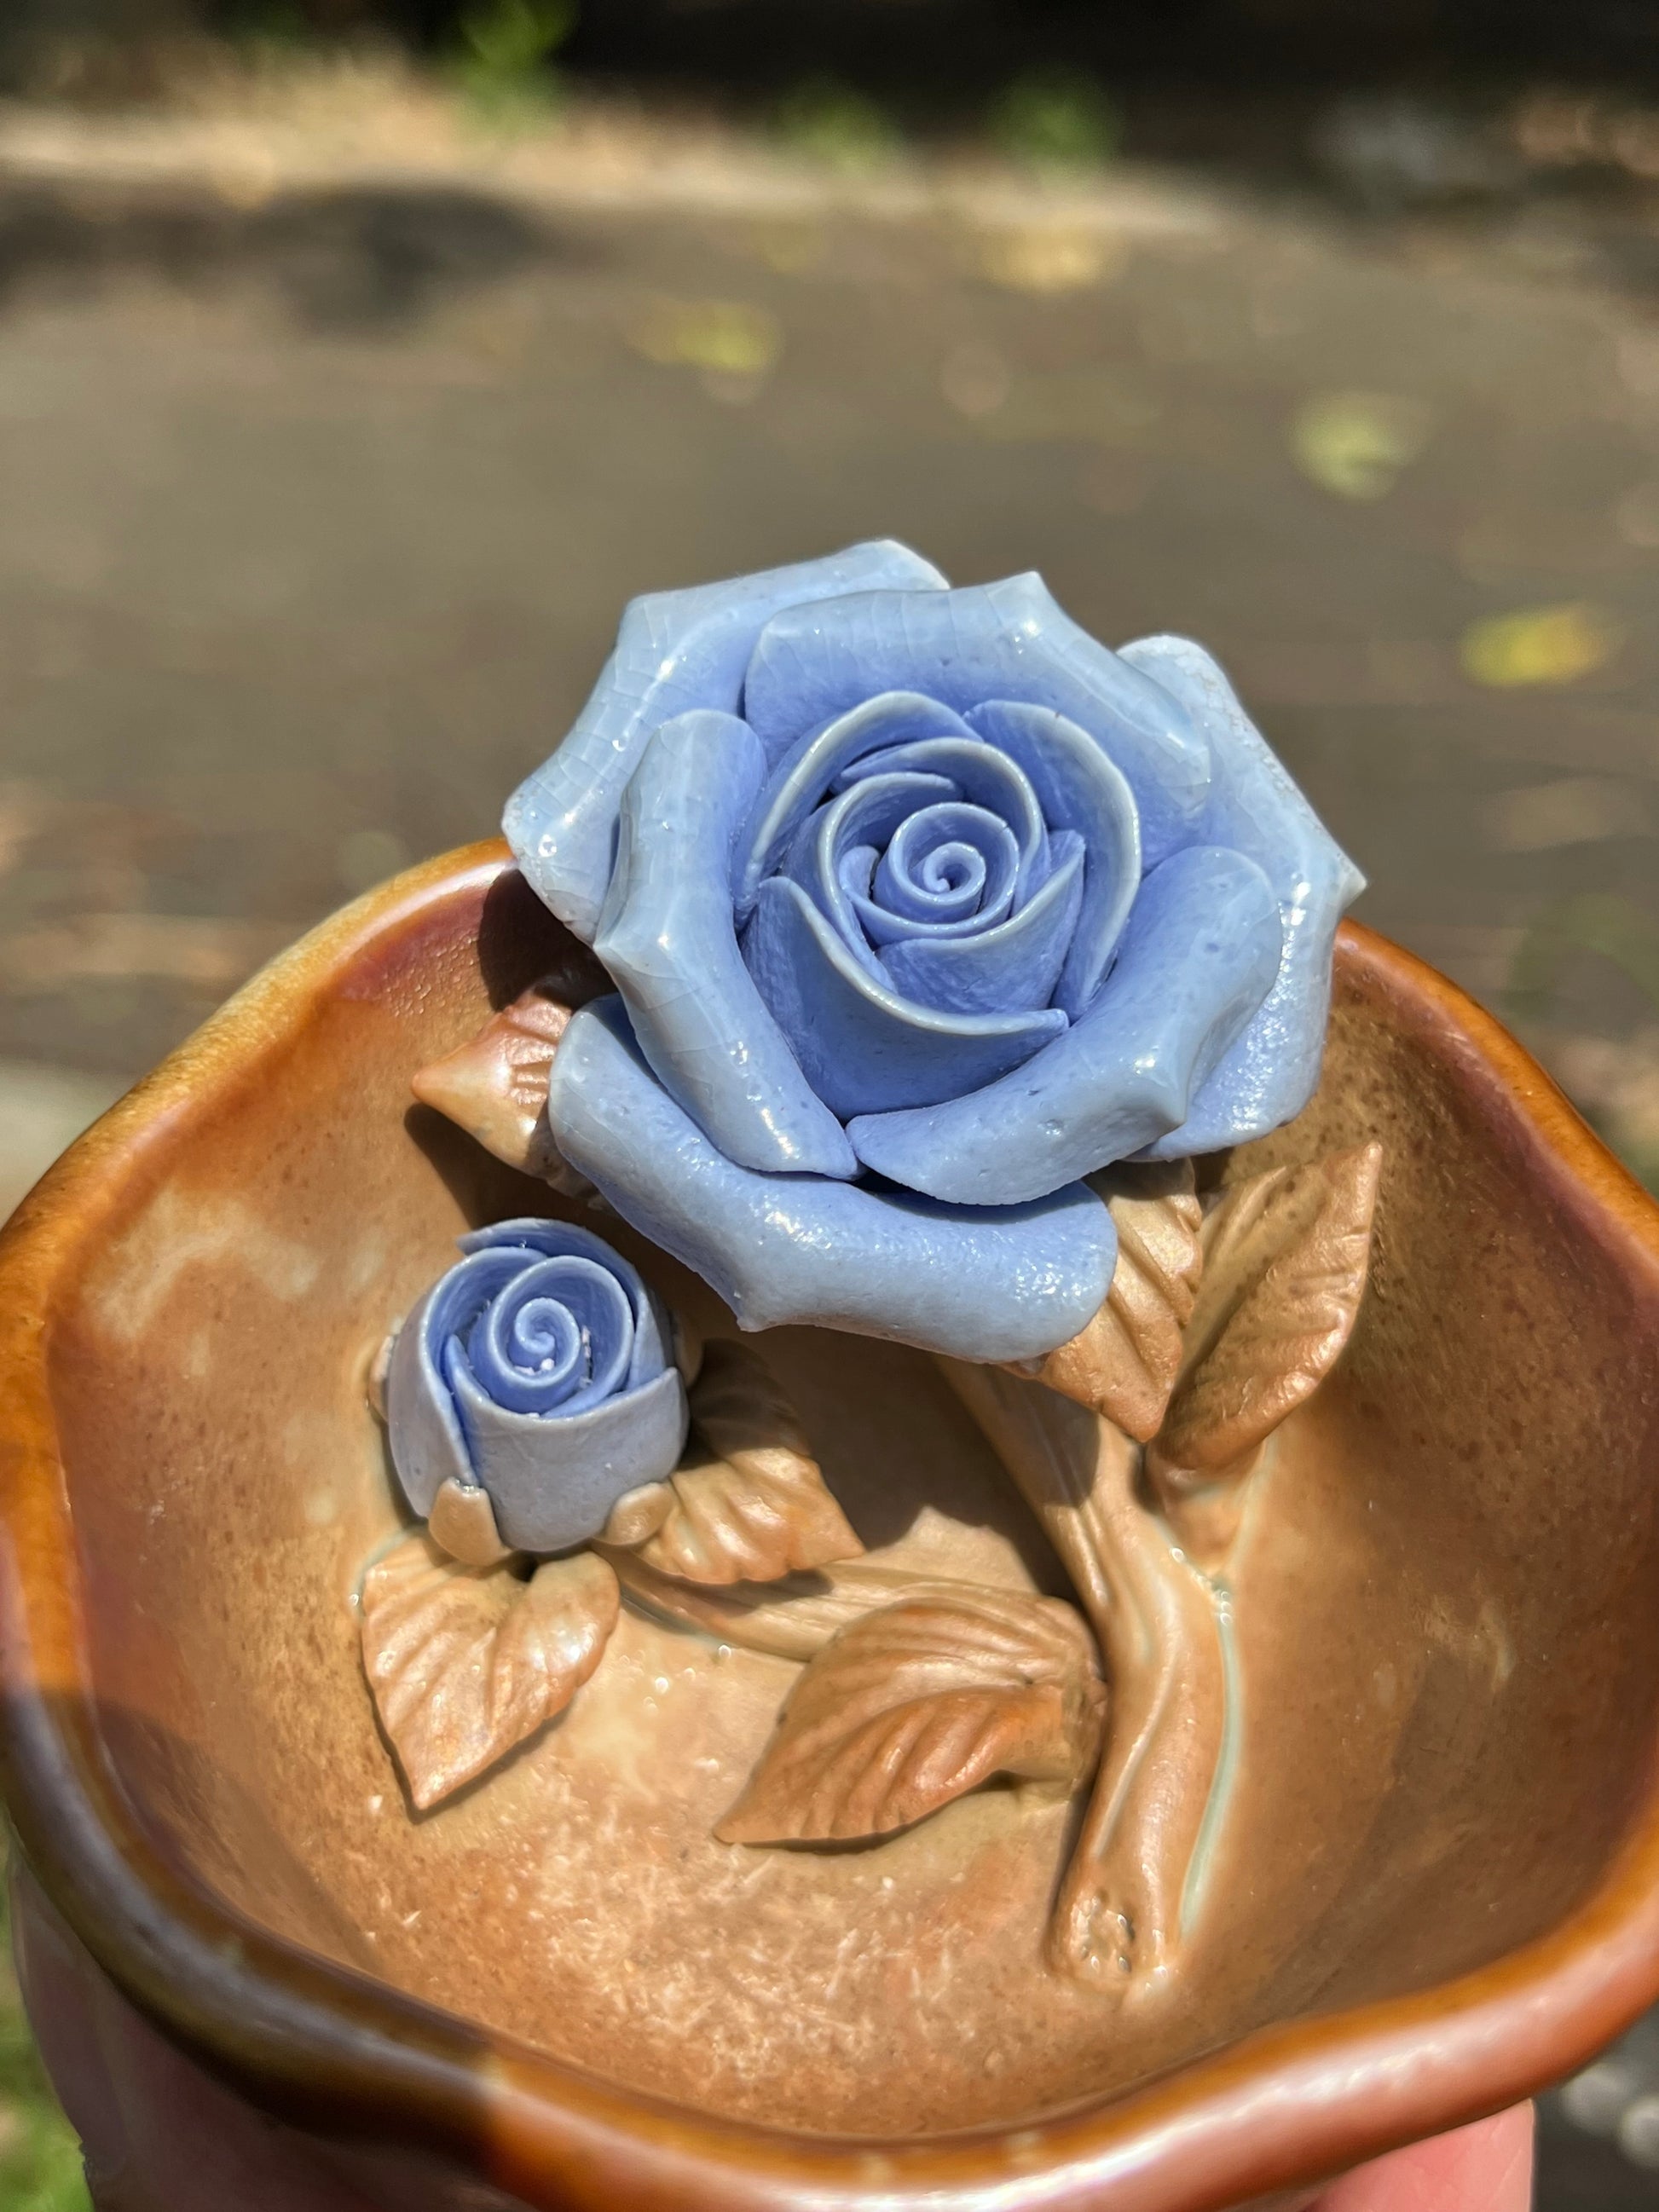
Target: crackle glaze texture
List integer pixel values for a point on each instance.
(1439, 1883)
(926, 886)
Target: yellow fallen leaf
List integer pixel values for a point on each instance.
(1539, 645)
(1574, 810)
(729, 337)
(1356, 443)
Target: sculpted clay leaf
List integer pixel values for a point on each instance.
(747, 1502)
(1123, 1364)
(462, 1522)
(465, 1663)
(918, 1702)
(1286, 1261)
(494, 1085)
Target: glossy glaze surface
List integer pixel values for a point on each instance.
(538, 1369)
(925, 884)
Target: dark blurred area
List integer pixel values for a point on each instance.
(1195, 77)
(895, 41)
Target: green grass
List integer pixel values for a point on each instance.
(1057, 119)
(505, 66)
(833, 122)
(39, 2157)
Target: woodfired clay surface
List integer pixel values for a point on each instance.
(1444, 1619)
(919, 1685)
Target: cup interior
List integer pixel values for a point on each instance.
(1443, 1601)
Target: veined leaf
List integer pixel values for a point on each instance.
(494, 1085)
(1286, 1257)
(749, 1502)
(917, 1704)
(465, 1663)
(1123, 1363)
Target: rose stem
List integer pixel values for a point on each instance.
(1117, 1919)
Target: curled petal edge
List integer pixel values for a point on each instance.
(1269, 1071)
(864, 1046)
(980, 1283)
(667, 937)
(1007, 641)
(1200, 952)
(1081, 789)
(675, 651)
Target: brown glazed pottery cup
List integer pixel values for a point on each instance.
(262, 1982)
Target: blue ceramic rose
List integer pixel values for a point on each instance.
(540, 1368)
(922, 907)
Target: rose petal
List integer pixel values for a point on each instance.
(985, 776)
(1199, 956)
(1008, 1284)
(1003, 970)
(675, 651)
(864, 1048)
(1268, 1074)
(846, 853)
(947, 867)
(837, 851)
(667, 936)
(1079, 789)
(654, 1348)
(798, 783)
(1003, 641)
(431, 1447)
(554, 1482)
(557, 1336)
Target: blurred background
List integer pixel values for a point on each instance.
(358, 358)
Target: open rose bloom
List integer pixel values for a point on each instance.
(922, 907)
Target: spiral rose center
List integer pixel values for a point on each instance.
(926, 899)
(947, 864)
(554, 1337)
(544, 1338)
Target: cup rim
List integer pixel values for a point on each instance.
(1283, 2109)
